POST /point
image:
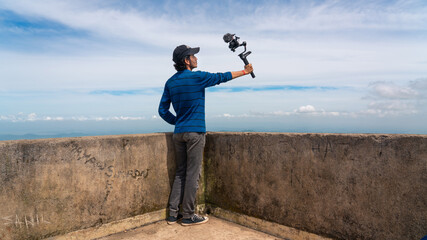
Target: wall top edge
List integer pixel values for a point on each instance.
(86, 138)
(209, 133)
(318, 134)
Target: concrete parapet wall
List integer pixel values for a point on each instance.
(342, 186)
(53, 186)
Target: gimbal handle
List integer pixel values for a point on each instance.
(243, 56)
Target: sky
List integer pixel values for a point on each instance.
(99, 67)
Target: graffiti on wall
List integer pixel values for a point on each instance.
(112, 172)
(26, 221)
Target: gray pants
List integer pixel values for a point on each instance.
(189, 154)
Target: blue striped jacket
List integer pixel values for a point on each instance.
(186, 91)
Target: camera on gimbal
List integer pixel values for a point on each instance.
(233, 43)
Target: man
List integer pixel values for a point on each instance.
(186, 90)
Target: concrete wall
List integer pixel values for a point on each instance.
(341, 186)
(53, 186)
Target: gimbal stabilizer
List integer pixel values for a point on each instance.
(233, 43)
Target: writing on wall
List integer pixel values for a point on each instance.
(133, 173)
(26, 221)
(113, 173)
(87, 157)
(110, 170)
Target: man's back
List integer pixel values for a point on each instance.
(186, 91)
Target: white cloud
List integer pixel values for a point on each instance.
(337, 15)
(160, 28)
(386, 108)
(80, 118)
(388, 98)
(48, 118)
(228, 115)
(311, 110)
(126, 118)
(392, 91)
(282, 113)
(21, 117)
(32, 117)
(306, 109)
(109, 22)
(82, 72)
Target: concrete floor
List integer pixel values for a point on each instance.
(214, 229)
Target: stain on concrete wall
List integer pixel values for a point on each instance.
(342, 186)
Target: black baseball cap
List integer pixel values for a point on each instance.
(182, 51)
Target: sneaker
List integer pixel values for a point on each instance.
(194, 220)
(172, 219)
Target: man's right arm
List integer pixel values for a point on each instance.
(212, 79)
(164, 108)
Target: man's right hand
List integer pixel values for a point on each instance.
(249, 68)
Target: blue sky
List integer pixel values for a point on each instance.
(321, 66)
